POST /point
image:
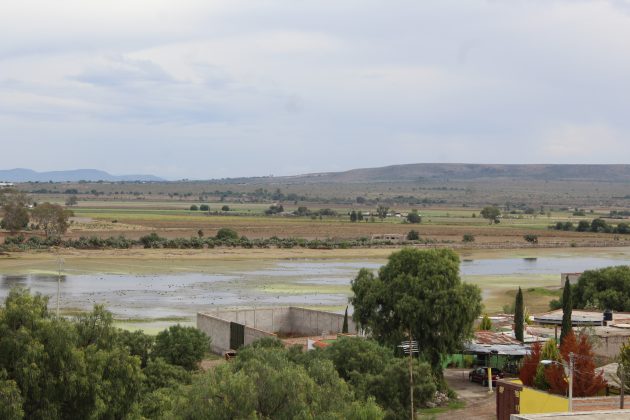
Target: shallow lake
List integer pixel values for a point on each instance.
(171, 297)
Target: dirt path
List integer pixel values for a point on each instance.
(479, 404)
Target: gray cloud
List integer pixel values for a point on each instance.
(229, 88)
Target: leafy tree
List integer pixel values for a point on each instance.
(373, 371)
(160, 374)
(137, 343)
(606, 288)
(72, 200)
(567, 310)
(359, 215)
(486, 323)
(549, 352)
(15, 215)
(274, 209)
(583, 226)
(586, 382)
(414, 217)
(532, 239)
(413, 235)
(194, 207)
(353, 216)
(530, 365)
(600, 225)
(52, 218)
(204, 207)
(302, 211)
(96, 328)
(519, 315)
(468, 238)
(344, 328)
(491, 213)
(418, 291)
(10, 400)
(227, 234)
(225, 208)
(382, 211)
(181, 346)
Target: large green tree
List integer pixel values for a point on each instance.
(52, 218)
(418, 292)
(519, 315)
(181, 346)
(607, 288)
(15, 215)
(491, 213)
(567, 310)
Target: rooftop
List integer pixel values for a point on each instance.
(580, 317)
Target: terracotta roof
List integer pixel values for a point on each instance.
(489, 337)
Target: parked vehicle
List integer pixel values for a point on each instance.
(480, 375)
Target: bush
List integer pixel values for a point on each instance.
(225, 208)
(413, 235)
(468, 238)
(194, 207)
(181, 346)
(204, 207)
(227, 234)
(532, 239)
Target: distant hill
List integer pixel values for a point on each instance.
(28, 175)
(464, 171)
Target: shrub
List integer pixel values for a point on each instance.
(468, 237)
(194, 207)
(413, 235)
(225, 208)
(181, 346)
(204, 207)
(227, 234)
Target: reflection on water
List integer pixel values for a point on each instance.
(282, 283)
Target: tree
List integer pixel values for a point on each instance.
(353, 216)
(414, 217)
(519, 315)
(413, 235)
(72, 200)
(491, 213)
(10, 400)
(52, 218)
(417, 291)
(531, 361)
(468, 238)
(15, 215)
(600, 225)
(360, 216)
(194, 207)
(382, 211)
(606, 288)
(567, 310)
(227, 234)
(532, 239)
(344, 328)
(225, 208)
(583, 226)
(486, 323)
(204, 207)
(586, 382)
(181, 346)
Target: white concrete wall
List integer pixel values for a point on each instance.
(313, 322)
(217, 329)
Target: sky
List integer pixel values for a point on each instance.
(204, 89)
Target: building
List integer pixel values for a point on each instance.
(6, 185)
(572, 277)
(230, 329)
(392, 237)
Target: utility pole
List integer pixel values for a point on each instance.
(622, 377)
(413, 412)
(60, 264)
(571, 369)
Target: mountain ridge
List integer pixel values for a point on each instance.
(73, 175)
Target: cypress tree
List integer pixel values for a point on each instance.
(518, 316)
(344, 328)
(567, 309)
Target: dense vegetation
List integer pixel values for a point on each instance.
(607, 288)
(415, 294)
(598, 225)
(225, 237)
(85, 368)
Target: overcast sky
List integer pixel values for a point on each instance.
(212, 88)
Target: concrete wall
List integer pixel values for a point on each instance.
(267, 322)
(573, 278)
(609, 347)
(312, 322)
(217, 329)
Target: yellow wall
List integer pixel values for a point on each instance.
(533, 402)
